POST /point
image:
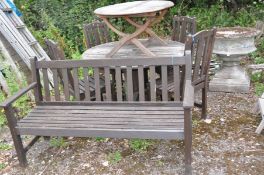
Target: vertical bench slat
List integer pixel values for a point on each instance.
(141, 83)
(107, 84)
(164, 79)
(176, 81)
(198, 58)
(56, 84)
(152, 75)
(46, 84)
(65, 80)
(86, 84)
(76, 84)
(97, 84)
(118, 83)
(129, 84)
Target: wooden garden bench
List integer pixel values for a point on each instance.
(65, 115)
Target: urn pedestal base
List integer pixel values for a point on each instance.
(230, 79)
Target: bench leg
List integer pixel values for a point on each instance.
(21, 152)
(204, 103)
(188, 141)
(260, 127)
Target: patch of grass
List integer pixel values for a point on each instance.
(115, 157)
(5, 147)
(257, 77)
(58, 142)
(140, 144)
(100, 139)
(259, 88)
(2, 166)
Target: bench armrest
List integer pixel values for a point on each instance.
(188, 100)
(13, 98)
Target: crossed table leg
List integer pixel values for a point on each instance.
(150, 20)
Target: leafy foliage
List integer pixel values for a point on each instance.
(4, 146)
(63, 20)
(115, 157)
(58, 142)
(140, 144)
(22, 105)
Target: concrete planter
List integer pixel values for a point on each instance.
(231, 45)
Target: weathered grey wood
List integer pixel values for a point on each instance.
(164, 83)
(188, 141)
(107, 84)
(65, 80)
(12, 123)
(56, 53)
(76, 84)
(152, 75)
(36, 78)
(183, 26)
(118, 119)
(176, 80)
(134, 8)
(141, 85)
(118, 84)
(173, 48)
(96, 33)
(56, 84)
(87, 84)
(129, 84)
(46, 84)
(97, 84)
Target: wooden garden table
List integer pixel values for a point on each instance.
(153, 11)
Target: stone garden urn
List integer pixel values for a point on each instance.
(232, 44)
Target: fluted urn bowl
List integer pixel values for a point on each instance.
(232, 44)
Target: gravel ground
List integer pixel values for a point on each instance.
(227, 145)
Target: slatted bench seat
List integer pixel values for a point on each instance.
(118, 115)
(105, 120)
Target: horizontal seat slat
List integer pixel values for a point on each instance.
(103, 116)
(110, 133)
(81, 119)
(122, 125)
(107, 112)
(111, 108)
(113, 103)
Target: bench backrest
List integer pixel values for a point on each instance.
(120, 87)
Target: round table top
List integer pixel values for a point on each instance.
(172, 49)
(133, 8)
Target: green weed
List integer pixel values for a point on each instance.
(5, 147)
(2, 166)
(259, 88)
(58, 142)
(115, 157)
(140, 144)
(257, 77)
